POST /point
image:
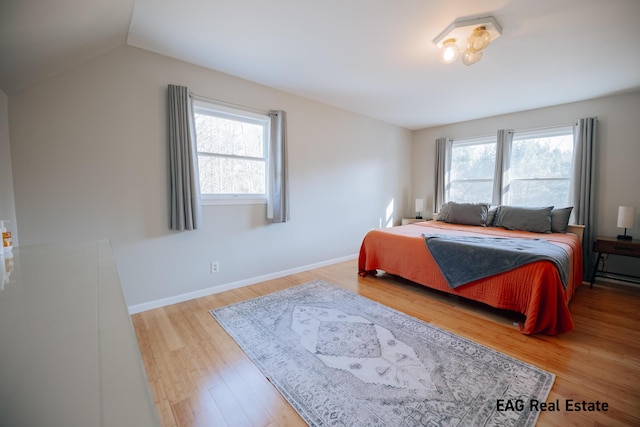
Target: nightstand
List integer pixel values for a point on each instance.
(606, 246)
(406, 221)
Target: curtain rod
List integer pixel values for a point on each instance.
(228, 104)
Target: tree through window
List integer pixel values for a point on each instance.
(472, 169)
(540, 168)
(537, 169)
(232, 152)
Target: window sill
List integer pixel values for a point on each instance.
(233, 201)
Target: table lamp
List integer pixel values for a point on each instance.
(626, 219)
(419, 205)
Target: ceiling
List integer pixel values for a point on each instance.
(373, 57)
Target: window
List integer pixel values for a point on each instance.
(536, 171)
(540, 168)
(471, 171)
(232, 147)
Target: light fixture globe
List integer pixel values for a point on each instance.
(479, 39)
(478, 33)
(449, 51)
(469, 57)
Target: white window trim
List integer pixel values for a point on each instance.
(550, 131)
(232, 113)
(547, 132)
(490, 139)
(463, 142)
(233, 199)
(543, 132)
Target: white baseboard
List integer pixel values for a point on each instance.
(138, 308)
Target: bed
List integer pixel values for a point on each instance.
(536, 290)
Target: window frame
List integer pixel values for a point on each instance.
(465, 142)
(550, 132)
(559, 130)
(211, 108)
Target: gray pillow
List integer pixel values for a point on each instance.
(445, 210)
(560, 219)
(468, 213)
(491, 216)
(537, 220)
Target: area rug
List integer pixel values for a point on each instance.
(343, 360)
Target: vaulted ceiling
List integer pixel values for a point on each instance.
(373, 57)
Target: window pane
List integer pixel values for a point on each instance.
(220, 175)
(472, 170)
(473, 161)
(542, 157)
(225, 136)
(471, 191)
(540, 193)
(232, 150)
(541, 171)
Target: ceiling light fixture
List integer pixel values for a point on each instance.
(470, 35)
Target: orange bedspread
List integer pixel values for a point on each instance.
(534, 290)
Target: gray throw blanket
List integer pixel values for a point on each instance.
(463, 259)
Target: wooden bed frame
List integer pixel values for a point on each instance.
(576, 229)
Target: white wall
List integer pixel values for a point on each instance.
(90, 161)
(7, 202)
(617, 164)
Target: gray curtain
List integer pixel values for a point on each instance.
(503, 163)
(583, 186)
(278, 200)
(184, 210)
(443, 166)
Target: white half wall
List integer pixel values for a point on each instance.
(89, 150)
(617, 157)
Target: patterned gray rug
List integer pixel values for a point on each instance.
(343, 360)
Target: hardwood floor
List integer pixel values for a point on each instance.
(200, 377)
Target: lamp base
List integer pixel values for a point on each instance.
(418, 217)
(624, 237)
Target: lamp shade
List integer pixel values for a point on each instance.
(626, 216)
(419, 205)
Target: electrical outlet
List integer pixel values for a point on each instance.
(215, 266)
